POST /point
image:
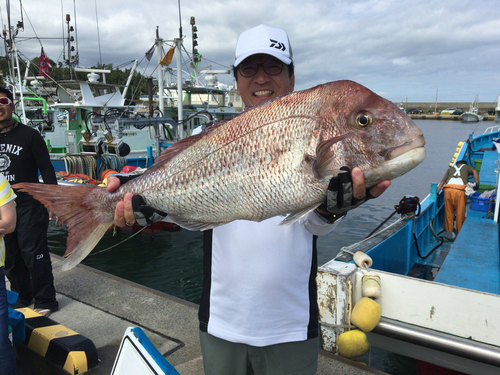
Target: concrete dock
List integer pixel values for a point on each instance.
(100, 307)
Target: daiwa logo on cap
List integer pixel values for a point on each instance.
(264, 40)
(277, 45)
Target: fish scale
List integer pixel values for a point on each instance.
(274, 159)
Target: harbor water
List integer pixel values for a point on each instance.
(171, 262)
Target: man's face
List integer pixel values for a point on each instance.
(6, 111)
(262, 86)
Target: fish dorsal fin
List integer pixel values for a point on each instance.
(179, 146)
(293, 217)
(173, 150)
(325, 156)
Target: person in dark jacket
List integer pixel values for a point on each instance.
(27, 262)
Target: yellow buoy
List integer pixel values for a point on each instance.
(366, 314)
(352, 344)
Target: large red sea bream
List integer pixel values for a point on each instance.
(274, 159)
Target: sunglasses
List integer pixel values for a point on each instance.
(5, 101)
(250, 68)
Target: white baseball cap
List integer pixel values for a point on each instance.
(264, 39)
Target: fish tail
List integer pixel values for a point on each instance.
(86, 221)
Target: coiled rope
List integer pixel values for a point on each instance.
(81, 164)
(115, 163)
(87, 164)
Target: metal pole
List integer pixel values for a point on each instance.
(159, 52)
(180, 113)
(497, 200)
(128, 81)
(436, 103)
(19, 84)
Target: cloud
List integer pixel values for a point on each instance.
(401, 48)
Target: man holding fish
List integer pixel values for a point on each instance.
(258, 310)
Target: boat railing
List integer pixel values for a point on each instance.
(492, 129)
(410, 239)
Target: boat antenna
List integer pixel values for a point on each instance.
(77, 56)
(21, 23)
(180, 23)
(62, 27)
(8, 20)
(98, 37)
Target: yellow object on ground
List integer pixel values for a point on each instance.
(366, 314)
(58, 344)
(352, 344)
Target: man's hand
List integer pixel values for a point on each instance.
(133, 208)
(145, 215)
(347, 191)
(124, 213)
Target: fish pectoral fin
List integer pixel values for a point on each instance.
(192, 225)
(325, 157)
(293, 217)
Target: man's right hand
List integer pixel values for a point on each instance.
(124, 212)
(133, 208)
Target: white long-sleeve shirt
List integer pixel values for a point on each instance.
(260, 281)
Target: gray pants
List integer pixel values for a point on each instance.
(221, 357)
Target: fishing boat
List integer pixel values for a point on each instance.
(94, 118)
(90, 127)
(472, 115)
(440, 299)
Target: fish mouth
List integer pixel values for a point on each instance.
(392, 153)
(413, 157)
(395, 167)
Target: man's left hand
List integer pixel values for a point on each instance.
(347, 191)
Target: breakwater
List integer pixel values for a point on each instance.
(428, 107)
(447, 117)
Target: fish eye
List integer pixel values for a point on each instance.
(364, 120)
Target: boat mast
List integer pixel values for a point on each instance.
(18, 82)
(71, 61)
(15, 71)
(159, 52)
(180, 101)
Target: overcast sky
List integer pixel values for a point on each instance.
(402, 50)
